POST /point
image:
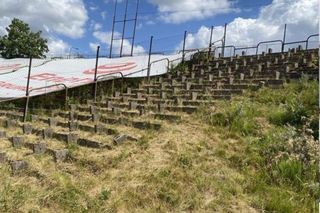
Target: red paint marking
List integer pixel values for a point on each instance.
(7, 85)
(51, 77)
(109, 69)
(9, 66)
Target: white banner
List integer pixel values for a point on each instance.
(71, 72)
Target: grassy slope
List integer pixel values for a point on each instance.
(238, 157)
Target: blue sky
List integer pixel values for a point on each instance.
(147, 12)
(84, 24)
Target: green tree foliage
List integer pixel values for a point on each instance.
(21, 42)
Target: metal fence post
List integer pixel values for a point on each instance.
(184, 46)
(224, 39)
(95, 75)
(149, 60)
(284, 37)
(210, 44)
(27, 91)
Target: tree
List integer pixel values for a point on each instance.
(21, 42)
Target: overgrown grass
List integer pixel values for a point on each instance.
(280, 155)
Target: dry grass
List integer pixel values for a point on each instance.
(178, 168)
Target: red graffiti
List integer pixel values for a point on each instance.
(54, 78)
(109, 69)
(7, 85)
(9, 67)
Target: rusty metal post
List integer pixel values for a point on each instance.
(284, 37)
(95, 75)
(149, 60)
(113, 26)
(224, 39)
(210, 44)
(184, 46)
(27, 91)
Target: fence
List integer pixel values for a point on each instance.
(184, 54)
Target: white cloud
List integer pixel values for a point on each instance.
(105, 38)
(65, 17)
(57, 47)
(103, 15)
(93, 46)
(300, 15)
(179, 11)
(97, 26)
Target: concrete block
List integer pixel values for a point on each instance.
(72, 138)
(116, 110)
(73, 126)
(3, 157)
(18, 166)
(17, 142)
(129, 90)
(183, 79)
(95, 118)
(161, 107)
(188, 86)
(34, 118)
(133, 105)
(120, 139)
(277, 75)
(139, 95)
(3, 134)
(175, 90)
(27, 129)
(244, 63)
(109, 104)
(231, 79)
(11, 123)
(93, 110)
(52, 122)
(194, 96)
(268, 64)
(39, 148)
(150, 90)
(116, 94)
(60, 155)
(210, 77)
(241, 76)
(47, 133)
(251, 72)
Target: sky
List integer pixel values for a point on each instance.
(79, 26)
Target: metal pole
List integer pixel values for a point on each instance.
(284, 37)
(113, 26)
(149, 60)
(95, 75)
(184, 45)
(135, 26)
(210, 44)
(224, 39)
(27, 91)
(124, 28)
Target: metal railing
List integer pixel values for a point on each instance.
(25, 114)
(101, 77)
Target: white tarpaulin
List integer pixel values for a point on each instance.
(71, 72)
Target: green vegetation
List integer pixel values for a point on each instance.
(256, 153)
(279, 154)
(20, 42)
